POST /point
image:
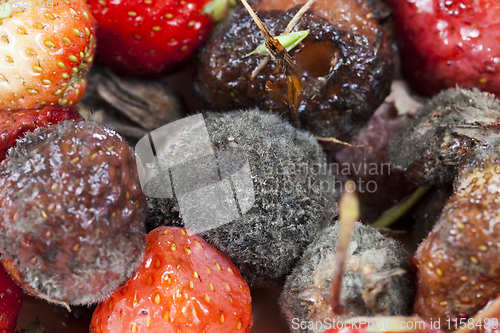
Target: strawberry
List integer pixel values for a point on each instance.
(448, 43)
(72, 216)
(14, 124)
(11, 300)
(458, 263)
(151, 37)
(183, 285)
(45, 54)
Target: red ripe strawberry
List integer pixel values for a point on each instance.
(150, 37)
(447, 43)
(11, 300)
(14, 124)
(183, 285)
(45, 54)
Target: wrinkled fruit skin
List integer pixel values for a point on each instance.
(14, 124)
(72, 219)
(149, 38)
(46, 55)
(458, 263)
(11, 300)
(183, 285)
(345, 75)
(448, 43)
(431, 145)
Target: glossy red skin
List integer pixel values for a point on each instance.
(170, 289)
(14, 124)
(132, 44)
(448, 43)
(49, 58)
(11, 300)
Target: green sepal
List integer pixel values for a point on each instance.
(218, 9)
(289, 42)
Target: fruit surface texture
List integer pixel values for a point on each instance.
(11, 300)
(183, 285)
(72, 218)
(14, 124)
(150, 37)
(448, 43)
(45, 54)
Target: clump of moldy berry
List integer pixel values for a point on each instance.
(443, 131)
(293, 194)
(72, 222)
(458, 263)
(376, 279)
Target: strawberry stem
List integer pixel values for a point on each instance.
(289, 42)
(293, 22)
(348, 215)
(394, 213)
(283, 60)
(335, 140)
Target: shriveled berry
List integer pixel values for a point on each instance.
(458, 263)
(369, 285)
(72, 218)
(345, 64)
(430, 147)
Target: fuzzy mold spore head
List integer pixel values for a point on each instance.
(373, 281)
(72, 223)
(293, 201)
(444, 129)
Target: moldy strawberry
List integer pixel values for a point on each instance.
(458, 263)
(72, 217)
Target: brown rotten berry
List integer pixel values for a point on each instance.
(459, 262)
(345, 65)
(431, 146)
(72, 218)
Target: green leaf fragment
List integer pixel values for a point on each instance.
(218, 9)
(289, 42)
